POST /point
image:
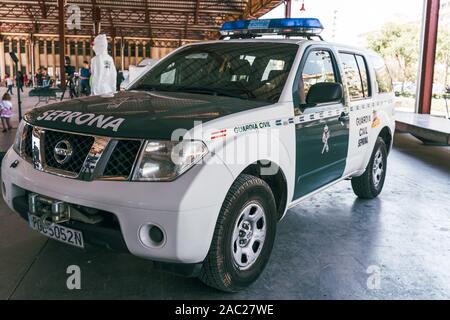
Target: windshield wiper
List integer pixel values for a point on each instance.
(150, 87)
(213, 91)
(201, 90)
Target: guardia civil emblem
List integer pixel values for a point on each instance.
(325, 137)
(116, 103)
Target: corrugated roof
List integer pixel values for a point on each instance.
(165, 19)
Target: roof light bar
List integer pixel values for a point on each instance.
(293, 26)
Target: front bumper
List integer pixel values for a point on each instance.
(185, 209)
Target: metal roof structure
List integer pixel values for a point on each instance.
(150, 19)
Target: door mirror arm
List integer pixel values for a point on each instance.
(303, 106)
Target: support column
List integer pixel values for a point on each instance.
(37, 56)
(45, 53)
(19, 53)
(136, 52)
(84, 51)
(2, 59)
(62, 42)
(288, 9)
(76, 55)
(428, 56)
(54, 56)
(122, 54)
(113, 48)
(127, 55)
(11, 63)
(154, 53)
(27, 56)
(33, 58)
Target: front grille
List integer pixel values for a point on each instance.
(122, 160)
(80, 146)
(28, 148)
(115, 165)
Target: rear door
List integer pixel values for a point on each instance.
(361, 107)
(322, 134)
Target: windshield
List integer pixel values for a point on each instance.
(256, 71)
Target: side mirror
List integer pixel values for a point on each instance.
(325, 92)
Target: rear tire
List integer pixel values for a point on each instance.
(243, 238)
(370, 184)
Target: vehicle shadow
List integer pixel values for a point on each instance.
(320, 253)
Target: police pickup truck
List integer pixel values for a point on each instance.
(198, 160)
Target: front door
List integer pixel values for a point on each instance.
(323, 130)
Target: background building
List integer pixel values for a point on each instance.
(136, 29)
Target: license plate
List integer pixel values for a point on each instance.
(57, 232)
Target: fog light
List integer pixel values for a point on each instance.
(152, 236)
(156, 234)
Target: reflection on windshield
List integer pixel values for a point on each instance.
(243, 70)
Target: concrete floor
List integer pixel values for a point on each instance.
(323, 250)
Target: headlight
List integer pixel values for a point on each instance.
(18, 138)
(166, 160)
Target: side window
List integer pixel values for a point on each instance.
(273, 65)
(318, 68)
(352, 76)
(362, 65)
(168, 77)
(384, 80)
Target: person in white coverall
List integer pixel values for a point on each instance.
(103, 70)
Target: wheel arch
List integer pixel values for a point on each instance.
(277, 182)
(386, 135)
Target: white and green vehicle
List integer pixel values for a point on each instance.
(198, 160)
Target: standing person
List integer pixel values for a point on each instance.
(6, 111)
(45, 78)
(39, 80)
(25, 80)
(85, 75)
(30, 80)
(9, 84)
(103, 70)
(20, 80)
(120, 79)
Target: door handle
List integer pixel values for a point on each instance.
(345, 117)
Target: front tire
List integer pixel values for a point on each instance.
(370, 184)
(243, 237)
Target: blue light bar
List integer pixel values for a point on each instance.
(292, 26)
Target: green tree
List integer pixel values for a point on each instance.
(399, 43)
(443, 53)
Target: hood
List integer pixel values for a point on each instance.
(100, 44)
(136, 114)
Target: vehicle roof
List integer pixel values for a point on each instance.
(289, 41)
(272, 40)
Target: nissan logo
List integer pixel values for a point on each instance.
(63, 151)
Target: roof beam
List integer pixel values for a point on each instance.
(197, 11)
(35, 28)
(96, 17)
(62, 43)
(257, 8)
(196, 19)
(44, 8)
(113, 27)
(147, 20)
(116, 24)
(140, 7)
